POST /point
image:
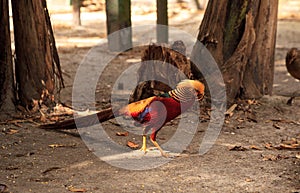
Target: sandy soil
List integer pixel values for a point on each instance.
(253, 152)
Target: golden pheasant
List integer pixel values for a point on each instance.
(153, 113)
(292, 62)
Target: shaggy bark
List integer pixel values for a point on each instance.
(7, 96)
(37, 60)
(161, 69)
(241, 35)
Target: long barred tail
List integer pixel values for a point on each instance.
(84, 121)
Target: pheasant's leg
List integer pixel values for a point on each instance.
(164, 154)
(144, 147)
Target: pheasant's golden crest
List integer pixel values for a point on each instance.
(193, 84)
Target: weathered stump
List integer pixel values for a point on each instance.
(161, 69)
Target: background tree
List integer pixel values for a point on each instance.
(76, 4)
(37, 61)
(37, 68)
(118, 22)
(240, 35)
(7, 96)
(162, 32)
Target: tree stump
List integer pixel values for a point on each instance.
(161, 69)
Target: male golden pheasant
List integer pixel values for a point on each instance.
(292, 62)
(153, 113)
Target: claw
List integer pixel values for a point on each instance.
(145, 150)
(164, 154)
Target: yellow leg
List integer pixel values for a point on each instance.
(144, 147)
(164, 154)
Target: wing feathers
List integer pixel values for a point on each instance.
(136, 108)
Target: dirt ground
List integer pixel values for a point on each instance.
(256, 151)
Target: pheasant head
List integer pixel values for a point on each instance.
(188, 90)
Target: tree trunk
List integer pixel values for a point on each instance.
(162, 31)
(240, 35)
(36, 54)
(76, 4)
(7, 96)
(161, 69)
(118, 22)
